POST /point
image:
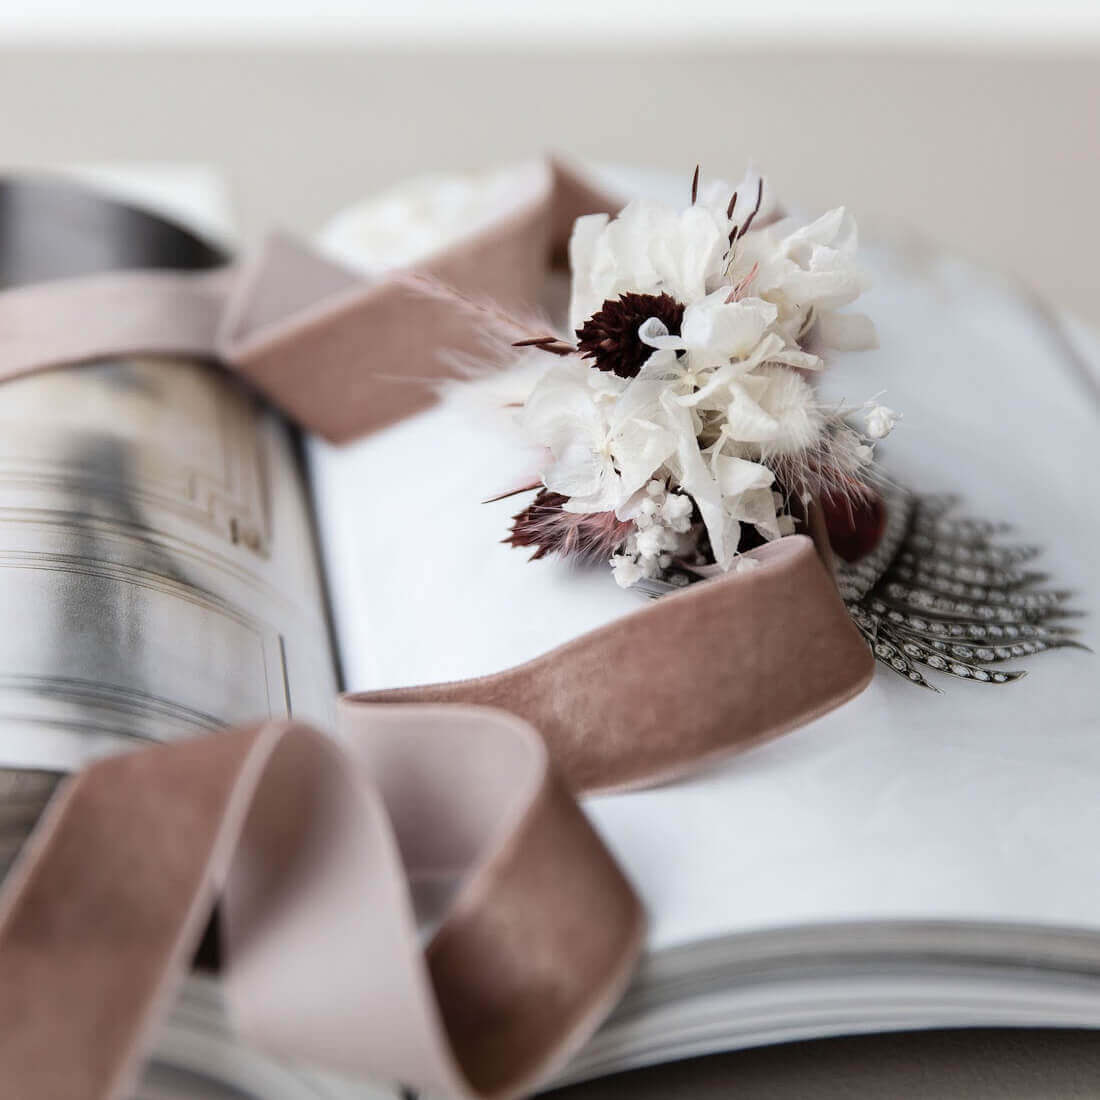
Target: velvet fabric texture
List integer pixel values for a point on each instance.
(696, 675)
(315, 845)
(340, 355)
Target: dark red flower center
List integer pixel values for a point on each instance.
(610, 336)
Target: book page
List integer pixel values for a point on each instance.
(977, 804)
(155, 548)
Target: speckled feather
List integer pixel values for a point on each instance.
(938, 594)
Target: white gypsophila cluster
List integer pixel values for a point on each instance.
(662, 523)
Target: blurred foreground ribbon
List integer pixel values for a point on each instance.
(311, 842)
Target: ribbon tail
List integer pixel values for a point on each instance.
(96, 317)
(339, 354)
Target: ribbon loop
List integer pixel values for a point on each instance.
(307, 838)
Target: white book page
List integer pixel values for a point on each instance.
(978, 804)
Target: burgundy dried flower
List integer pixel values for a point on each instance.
(610, 336)
(855, 523)
(547, 526)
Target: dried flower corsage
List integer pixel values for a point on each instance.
(682, 427)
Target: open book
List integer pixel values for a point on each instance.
(909, 861)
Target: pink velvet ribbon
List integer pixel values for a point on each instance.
(312, 841)
(312, 844)
(332, 350)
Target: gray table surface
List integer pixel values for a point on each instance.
(934, 1065)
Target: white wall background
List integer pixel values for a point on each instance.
(976, 121)
(582, 24)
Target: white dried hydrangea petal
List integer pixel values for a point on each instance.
(757, 507)
(563, 414)
(717, 330)
(694, 477)
(722, 379)
(738, 475)
(746, 420)
(687, 253)
(586, 296)
(648, 248)
(639, 448)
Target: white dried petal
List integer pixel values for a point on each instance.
(880, 421)
(625, 570)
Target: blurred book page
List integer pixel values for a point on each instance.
(156, 554)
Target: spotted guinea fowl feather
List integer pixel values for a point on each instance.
(938, 593)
